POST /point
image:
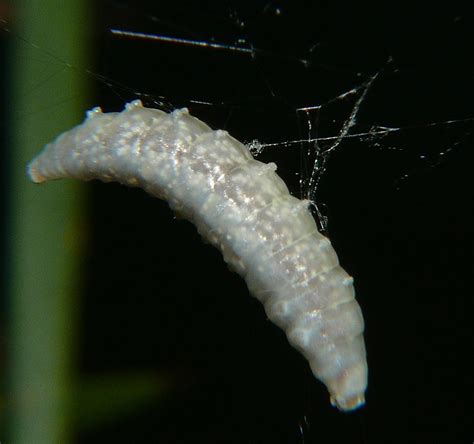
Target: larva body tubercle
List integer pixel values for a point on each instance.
(241, 206)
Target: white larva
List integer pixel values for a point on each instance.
(241, 206)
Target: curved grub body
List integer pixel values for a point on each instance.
(241, 206)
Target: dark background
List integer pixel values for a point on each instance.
(156, 298)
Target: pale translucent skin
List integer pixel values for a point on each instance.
(241, 206)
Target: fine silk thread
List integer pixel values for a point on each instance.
(242, 207)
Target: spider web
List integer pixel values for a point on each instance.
(324, 121)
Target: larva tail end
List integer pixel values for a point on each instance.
(348, 404)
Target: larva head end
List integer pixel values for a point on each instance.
(33, 173)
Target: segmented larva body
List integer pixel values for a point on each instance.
(241, 206)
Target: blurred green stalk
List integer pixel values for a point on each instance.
(47, 97)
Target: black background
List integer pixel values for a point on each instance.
(156, 298)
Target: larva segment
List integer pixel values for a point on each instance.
(242, 207)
